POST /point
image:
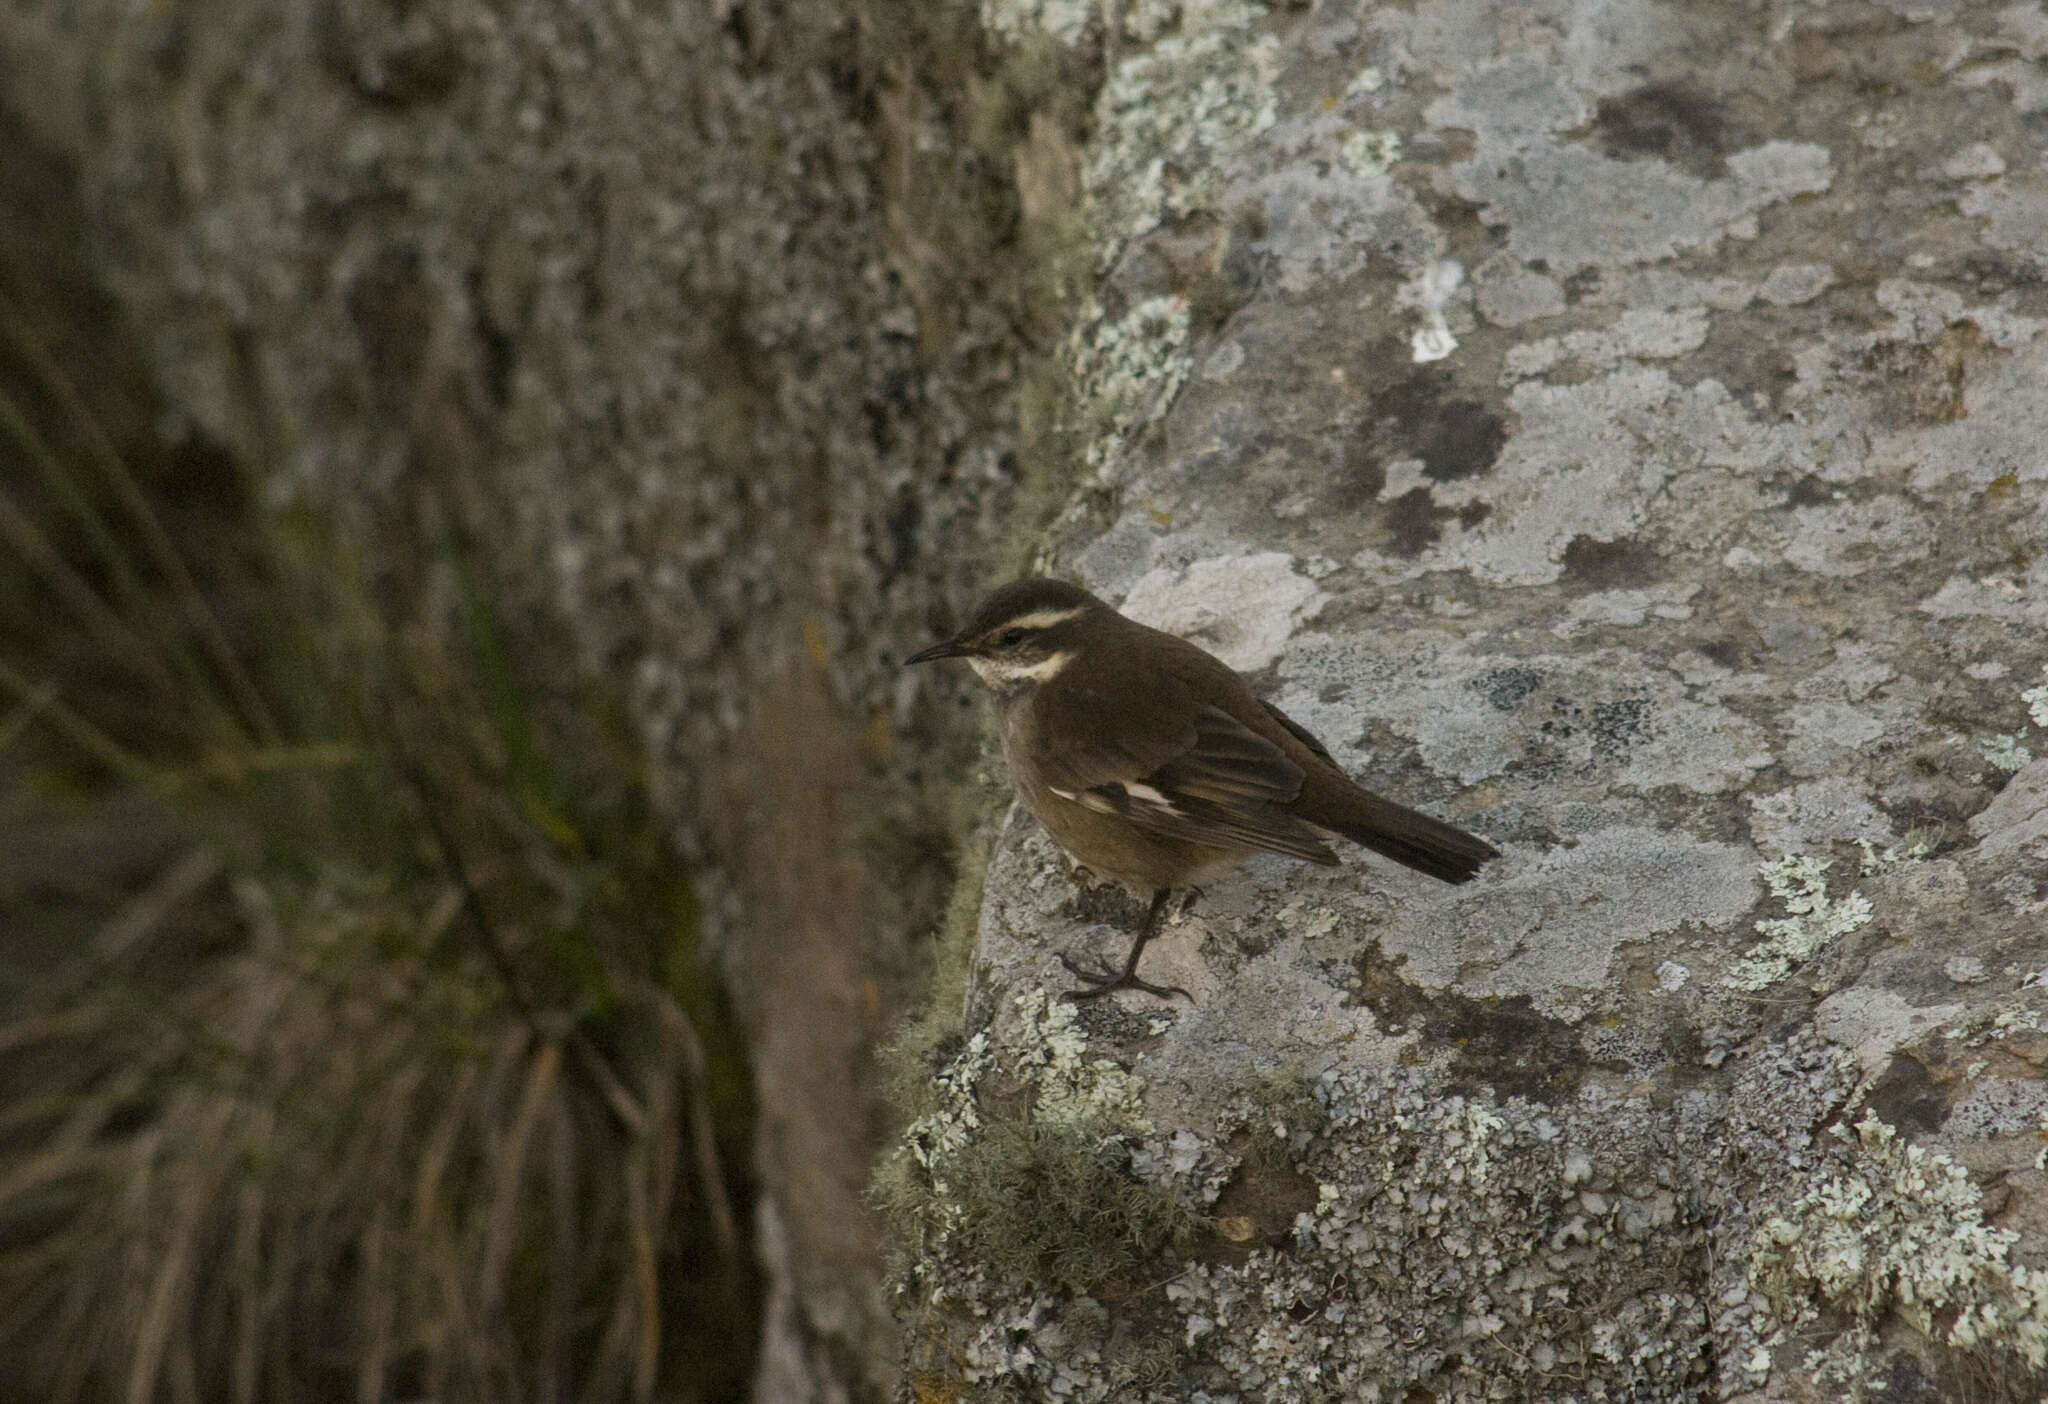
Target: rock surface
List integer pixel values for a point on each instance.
(1620, 433)
(1617, 428)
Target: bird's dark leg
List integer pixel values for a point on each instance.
(1104, 981)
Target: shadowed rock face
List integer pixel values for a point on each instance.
(1617, 430)
(1623, 458)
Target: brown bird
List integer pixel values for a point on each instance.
(1151, 762)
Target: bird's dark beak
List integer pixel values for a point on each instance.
(950, 648)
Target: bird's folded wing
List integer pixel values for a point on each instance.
(1299, 732)
(1214, 782)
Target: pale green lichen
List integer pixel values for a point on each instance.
(2016, 1014)
(940, 1134)
(1894, 856)
(1813, 920)
(1468, 1214)
(1895, 1231)
(1073, 1088)
(2036, 699)
(1172, 115)
(1126, 374)
(1145, 20)
(1467, 1128)
(1014, 20)
(1297, 917)
(2005, 752)
(1370, 153)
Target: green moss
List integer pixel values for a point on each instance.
(931, 1034)
(1036, 1202)
(1059, 1204)
(1283, 1103)
(1023, 1165)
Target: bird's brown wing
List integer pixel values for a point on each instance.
(1196, 774)
(1333, 800)
(1299, 732)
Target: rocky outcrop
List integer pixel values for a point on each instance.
(1617, 429)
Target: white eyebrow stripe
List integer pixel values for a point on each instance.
(1044, 618)
(1045, 667)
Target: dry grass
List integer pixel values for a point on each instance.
(373, 1059)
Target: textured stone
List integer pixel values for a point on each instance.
(1689, 542)
(1662, 570)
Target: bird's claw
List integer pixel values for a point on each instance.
(1105, 981)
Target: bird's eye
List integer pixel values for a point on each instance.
(1010, 638)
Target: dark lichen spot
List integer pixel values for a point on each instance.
(1761, 366)
(894, 400)
(1673, 121)
(1466, 233)
(1108, 904)
(1565, 719)
(388, 64)
(1620, 724)
(1414, 521)
(499, 352)
(1726, 653)
(1992, 271)
(1609, 565)
(1809, 491)
(1906, 1097)
(1926, 384)
(1454, 439)
(1904, 1382)
(1504, 688)
(1361, 472)
(1215, 294)
(1504, 1043)
(1463, 440)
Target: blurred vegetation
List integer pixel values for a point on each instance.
(354, 1041)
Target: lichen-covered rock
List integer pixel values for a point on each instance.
(1620, 430)
(1617, 428)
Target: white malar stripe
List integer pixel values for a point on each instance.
(996, 672)
(1044, 619)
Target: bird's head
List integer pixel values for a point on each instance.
(1024, 633)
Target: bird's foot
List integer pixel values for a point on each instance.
(1105, 981)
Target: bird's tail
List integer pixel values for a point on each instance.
(1409, 837)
